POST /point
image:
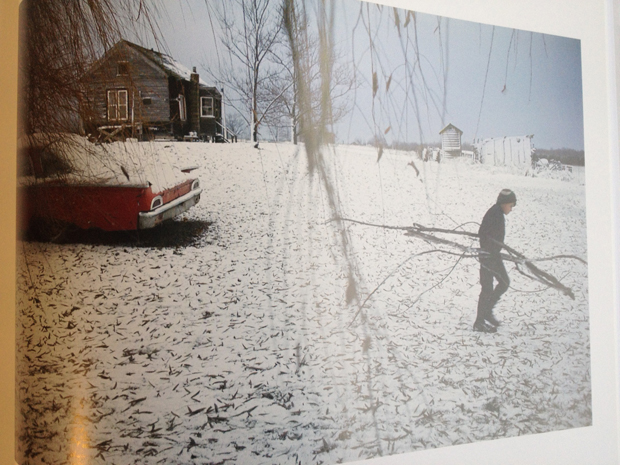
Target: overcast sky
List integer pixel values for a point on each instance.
(488, 81)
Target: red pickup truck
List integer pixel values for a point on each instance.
(66, 179)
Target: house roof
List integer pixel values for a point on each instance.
(165, 62)
(450, 126)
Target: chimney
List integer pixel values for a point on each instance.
(193, 104)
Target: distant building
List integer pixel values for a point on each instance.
(137, 92)
(505, 151)
(451, 140)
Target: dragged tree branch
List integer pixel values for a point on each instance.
(418, 230)
(426, 234)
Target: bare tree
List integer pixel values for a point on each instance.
(284, 86)
(236, 123)
(250, 29)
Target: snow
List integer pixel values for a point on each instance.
(177, 68)
(144, 163)
(243, 348)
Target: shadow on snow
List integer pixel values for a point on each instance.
(169, 234)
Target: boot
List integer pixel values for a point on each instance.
(484, 327)
(491, 319)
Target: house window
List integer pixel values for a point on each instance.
(117, 105)
(122, 68)
(182, 108)
(147, 101)
(206, 107)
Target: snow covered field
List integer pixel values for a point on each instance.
(242, 348)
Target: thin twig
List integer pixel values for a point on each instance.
(385, 279)
(439, 282)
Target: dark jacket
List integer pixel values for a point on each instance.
(492, 230)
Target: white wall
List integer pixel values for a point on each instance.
(506, 151)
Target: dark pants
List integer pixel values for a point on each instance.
(491, 267)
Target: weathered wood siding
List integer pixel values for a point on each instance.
(146, 83)
(153, 94)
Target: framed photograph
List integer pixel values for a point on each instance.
(429, 278)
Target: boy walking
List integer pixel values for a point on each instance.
(491, 233)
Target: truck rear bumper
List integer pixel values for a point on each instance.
(169, 210)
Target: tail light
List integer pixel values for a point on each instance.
(157, 202)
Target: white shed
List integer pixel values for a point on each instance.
(506, 151)
(451, 140)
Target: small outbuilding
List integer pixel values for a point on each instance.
(137, 92)
(451, 140)
(506, 151)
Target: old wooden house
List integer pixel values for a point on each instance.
(137, 92)
(451, 140)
